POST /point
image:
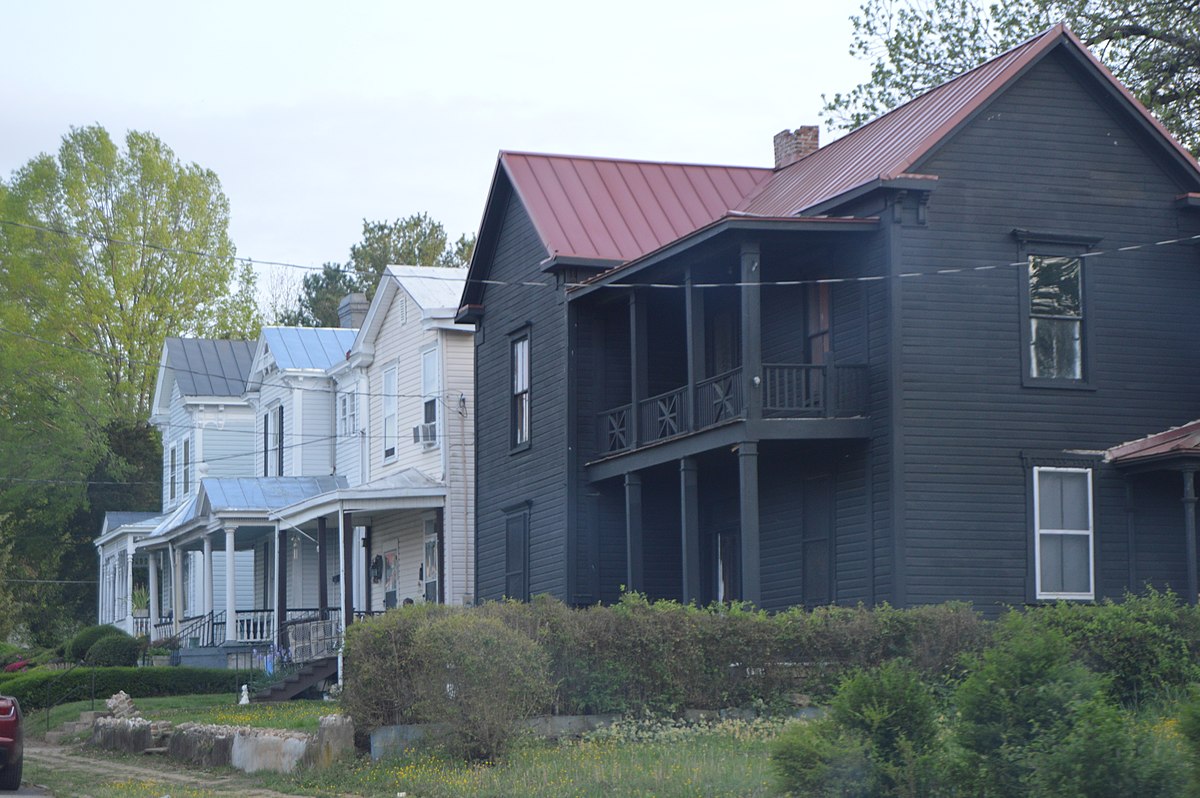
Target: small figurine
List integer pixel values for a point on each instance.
(245, 699)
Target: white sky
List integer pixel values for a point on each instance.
(318, 115)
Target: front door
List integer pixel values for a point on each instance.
(431, 567)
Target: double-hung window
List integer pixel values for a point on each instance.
(347, 414)
(279, 441)
(429, 396)
(173, 474)
(187, 466)
(520, 408)
(1055, 318)
(389, 413)
(1063, 534)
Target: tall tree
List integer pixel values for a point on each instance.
(1152, 46)
(416, 240)
(139, 250)
(320, 294)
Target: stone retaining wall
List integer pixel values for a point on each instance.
(244, 748)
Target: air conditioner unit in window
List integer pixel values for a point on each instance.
(425, 433)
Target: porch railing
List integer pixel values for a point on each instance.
(254, 626)
(788, 391)
(141, 626)
(315, 636)
(663, 416)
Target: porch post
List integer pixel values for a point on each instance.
(694, 313)
(176, 588)
(748, 481)
(231, 627)
(322, 567)
(281, 555)
(129, 585)
(345, 531)
(637, 362)
(689, 507)
(633, 532)
(208, 576)
(155, 601)
(1189, 526)
(751, 330)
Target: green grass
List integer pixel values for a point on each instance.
(729, 760)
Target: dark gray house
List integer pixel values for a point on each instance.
(887, 369)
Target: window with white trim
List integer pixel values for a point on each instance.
(389, 413)
(429, 395)
(187, 465)
(347, 413)
(173, 474)
(1063, 533)
(520, 390)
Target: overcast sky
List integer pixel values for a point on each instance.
(318, 115)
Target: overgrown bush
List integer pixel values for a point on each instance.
(480, 678)
(890, 707)
(39, 688)
(78, 646)
(114, 651)
(822, 759)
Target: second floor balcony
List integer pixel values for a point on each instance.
(789, 390)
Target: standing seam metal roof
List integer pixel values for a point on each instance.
(308, 347)
(209, 367)
(431, 287)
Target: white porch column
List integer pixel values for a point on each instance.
(231, 629)
(176, 588)
(207, 582)
(129, 584)
(155, 606)
(276, 583)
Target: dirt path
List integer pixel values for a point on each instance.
(93, 763)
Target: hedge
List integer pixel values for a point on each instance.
(77, 648)
(37, 688)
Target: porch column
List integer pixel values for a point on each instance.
(346, 535)
(208, 576)
(322, 567)
(748, 481)
(1189, 527)
(633, 532)
(231, 628)
(637, 361)
(281, 557)
(751, 330)
(689, 510)
(694, 314)
(176, 588)
(129, 585)
(155, 603)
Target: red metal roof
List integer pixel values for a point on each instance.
(618, 210)
(1183, 440)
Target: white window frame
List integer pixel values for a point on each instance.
(1038, 532)
(430, 391)
(390, 419)
(348, 413)
(187, 464)
(520, 421)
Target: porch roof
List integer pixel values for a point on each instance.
(409, 489)
(1176, 444)
(117, 524)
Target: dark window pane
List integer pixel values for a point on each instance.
(1050, 509)
(1054, 287)
(1076, 577)
(1056, 348)
(1051, 561)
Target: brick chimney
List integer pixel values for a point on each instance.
(792, 145)
(352, 310)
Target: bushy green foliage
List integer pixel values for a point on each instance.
(79, 645)
(39, 688)
(1025, 687)
(480, 678)
(1142, 643)
(822, 759)
(889, 706)
(114, 651)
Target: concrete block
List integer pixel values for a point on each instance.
(254, 750)
(335, 738)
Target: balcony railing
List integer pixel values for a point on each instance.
(788, 391)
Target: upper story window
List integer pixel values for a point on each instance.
(273, 441)
(1063, 544)
(430, 391)
(266, 444)
(172, 474)
(347, 413)
(187, 466)
(279, 441)
(521, 373)
(1055, 335)
(389, 413)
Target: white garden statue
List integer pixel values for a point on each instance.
(245, 699)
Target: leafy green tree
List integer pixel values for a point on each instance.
(320, 294)
(132, 246)
(415, 240)
(1152, 46)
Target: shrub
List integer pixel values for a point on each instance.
(114, 651)
(39, 688)
(821, 759)
(480, 678)
(1026, 686)
(79, 645)
(888, 706)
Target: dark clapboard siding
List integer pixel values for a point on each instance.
(536, 475)
(1047, 155)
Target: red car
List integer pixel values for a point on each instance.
(12, 748)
